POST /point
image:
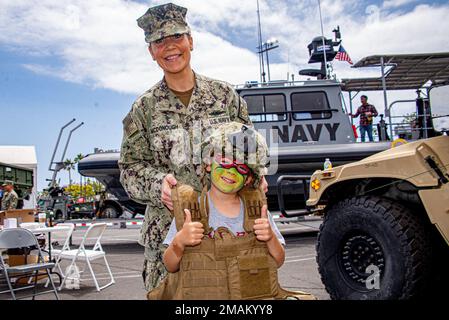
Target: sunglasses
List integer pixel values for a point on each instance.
(228, 164)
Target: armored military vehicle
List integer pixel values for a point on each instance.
(103, 206)
(65, 207)
(58, 201)
(385, 233)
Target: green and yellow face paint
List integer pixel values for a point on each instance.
(228, 177)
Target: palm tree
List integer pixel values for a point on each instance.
(69, 165)
(78, 158)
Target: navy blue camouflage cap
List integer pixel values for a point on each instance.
(163, 21)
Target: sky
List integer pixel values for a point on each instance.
(87, 60)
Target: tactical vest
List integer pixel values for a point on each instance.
(223, 267)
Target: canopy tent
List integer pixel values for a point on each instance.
(407, 72)
(22, 156)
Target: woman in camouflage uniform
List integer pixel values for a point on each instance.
(165, 127)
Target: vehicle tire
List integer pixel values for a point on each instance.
(109, 212)
(363, 231)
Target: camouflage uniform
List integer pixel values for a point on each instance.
(160, 134)
(9, 200)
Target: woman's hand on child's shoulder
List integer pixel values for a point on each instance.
(191, 233)
(262, 227)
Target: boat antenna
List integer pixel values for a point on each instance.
(261, 62)
(324, 43)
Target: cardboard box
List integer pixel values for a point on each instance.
(18, 260)
(22, 215)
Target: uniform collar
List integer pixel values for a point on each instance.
(170, 103)
(167, 100)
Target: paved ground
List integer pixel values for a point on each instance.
(125, 257)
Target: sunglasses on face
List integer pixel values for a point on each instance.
(225, 163)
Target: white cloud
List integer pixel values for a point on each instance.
(388, 4)
(99, 44)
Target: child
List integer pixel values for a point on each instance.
(232, 248)
(226, 210)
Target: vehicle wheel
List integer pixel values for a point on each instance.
(109, 212)
(363, 237)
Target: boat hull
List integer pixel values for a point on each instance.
(296, 160)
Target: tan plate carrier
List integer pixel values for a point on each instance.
(223, 267)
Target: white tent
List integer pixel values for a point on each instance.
(22, 156)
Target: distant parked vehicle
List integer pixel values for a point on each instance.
(103, 206)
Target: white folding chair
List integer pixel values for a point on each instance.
(94, 232)
(64, 237)
(32, 226)
(23, 238)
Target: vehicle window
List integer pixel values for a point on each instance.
(266, 108)
(310, 106)
(255, 107)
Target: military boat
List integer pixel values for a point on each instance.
(305, 122)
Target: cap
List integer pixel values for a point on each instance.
(163, 21)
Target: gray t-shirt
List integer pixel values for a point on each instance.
(217, 219)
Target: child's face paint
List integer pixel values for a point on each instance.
(226, 180)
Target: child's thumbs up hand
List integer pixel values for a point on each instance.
(262, 227)
(188, 216)
(191, 233)
(264, 213)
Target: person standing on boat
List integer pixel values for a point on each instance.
(366, 112)
(166, 120)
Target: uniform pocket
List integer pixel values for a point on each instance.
(204, 279)
(252, 277)
(172, 147)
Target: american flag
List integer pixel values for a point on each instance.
(342, 55)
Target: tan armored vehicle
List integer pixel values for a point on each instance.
(385, 232)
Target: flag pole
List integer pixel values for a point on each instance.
(322, 34)
(259, 31)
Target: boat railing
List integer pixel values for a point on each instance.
(284, 83)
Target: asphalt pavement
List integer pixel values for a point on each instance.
(125, 257)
